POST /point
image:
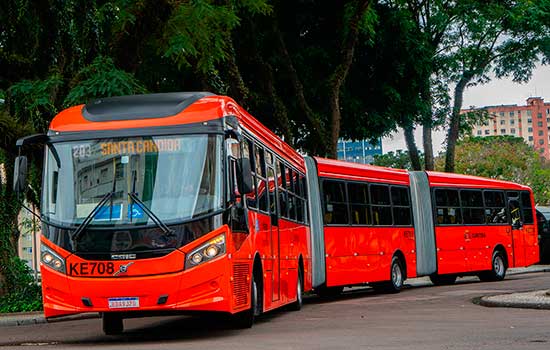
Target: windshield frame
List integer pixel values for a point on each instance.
(209, 128)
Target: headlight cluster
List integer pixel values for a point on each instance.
(52, 259)
(208, 251)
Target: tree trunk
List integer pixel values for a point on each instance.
(236, 83)
(411, 147)
(454, 127)
(340, 73)
(315, 122)
(428, 146)
(427, 124)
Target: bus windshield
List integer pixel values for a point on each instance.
(177, 178)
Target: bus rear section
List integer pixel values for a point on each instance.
(365, 231)
(482, 227)
(145, 211)
(379, 226)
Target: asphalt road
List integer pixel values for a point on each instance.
(420, 317)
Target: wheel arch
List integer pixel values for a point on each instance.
(258, 273)
(399, 254)
(500, 248)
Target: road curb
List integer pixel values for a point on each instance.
(522, 302)
(25, 319)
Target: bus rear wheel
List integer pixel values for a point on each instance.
(397, 278)
(498, 269)
(297, 305)
(442, 280)
(112, 323)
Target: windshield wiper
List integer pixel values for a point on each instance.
(90, 216)
(168, 232)
(96, 209)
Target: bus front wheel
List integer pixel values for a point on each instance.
(245, 319)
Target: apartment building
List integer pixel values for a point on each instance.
(531, 122)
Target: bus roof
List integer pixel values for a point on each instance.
(360, 172)
(143, 111)
(438, 179)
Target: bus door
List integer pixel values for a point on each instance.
(274, 215)
(516, 228)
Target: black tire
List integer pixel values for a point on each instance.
(245, 319)
(297, 305)
(112, 323)
(498, 269)
(329, 292)
(443, 280)
(397, 276)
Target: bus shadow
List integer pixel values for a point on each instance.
(176, 328)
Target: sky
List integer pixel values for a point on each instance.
(496, 92)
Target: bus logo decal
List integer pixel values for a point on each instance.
(123, 268)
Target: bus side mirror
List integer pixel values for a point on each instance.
(245, 183)
(20, 175)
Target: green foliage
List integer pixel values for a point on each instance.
(504, 158)
(102, 79)
(397, 160)
(24, 293)
(32, 100)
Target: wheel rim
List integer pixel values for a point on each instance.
(396, 275)
(498, 265)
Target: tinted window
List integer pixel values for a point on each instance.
(359, 199)
(401, 205)
(334, 200)
(526, 206)
(400, 196)
(448, 216)
(495, 208)
(471, 198)
(446, 198)
(380, 195)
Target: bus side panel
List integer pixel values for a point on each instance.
(531, 244)
(357, 255)
(451, 254)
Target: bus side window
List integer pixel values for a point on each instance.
(335, 203)
(261, 181)
(380, 205)
(247, 146)
(447, 207)
(527, 208)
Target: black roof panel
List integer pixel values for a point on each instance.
(140, 106)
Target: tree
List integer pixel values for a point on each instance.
(504, 158)
(506, 38)
(398, 160)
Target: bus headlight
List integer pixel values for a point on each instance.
(52, 259)
(208, 251)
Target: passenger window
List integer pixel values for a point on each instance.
(335, 203)
(526, 207)
(447, 210)
(381, 205)
(473, 212)
(260, 176)
(401, 206)
(495, 207)
(359, 201)
(251, 201)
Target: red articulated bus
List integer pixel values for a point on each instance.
(142, 210)
(380, 226)
(183, 202)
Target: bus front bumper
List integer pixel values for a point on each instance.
(207, 287)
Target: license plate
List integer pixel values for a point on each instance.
(123, 303)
